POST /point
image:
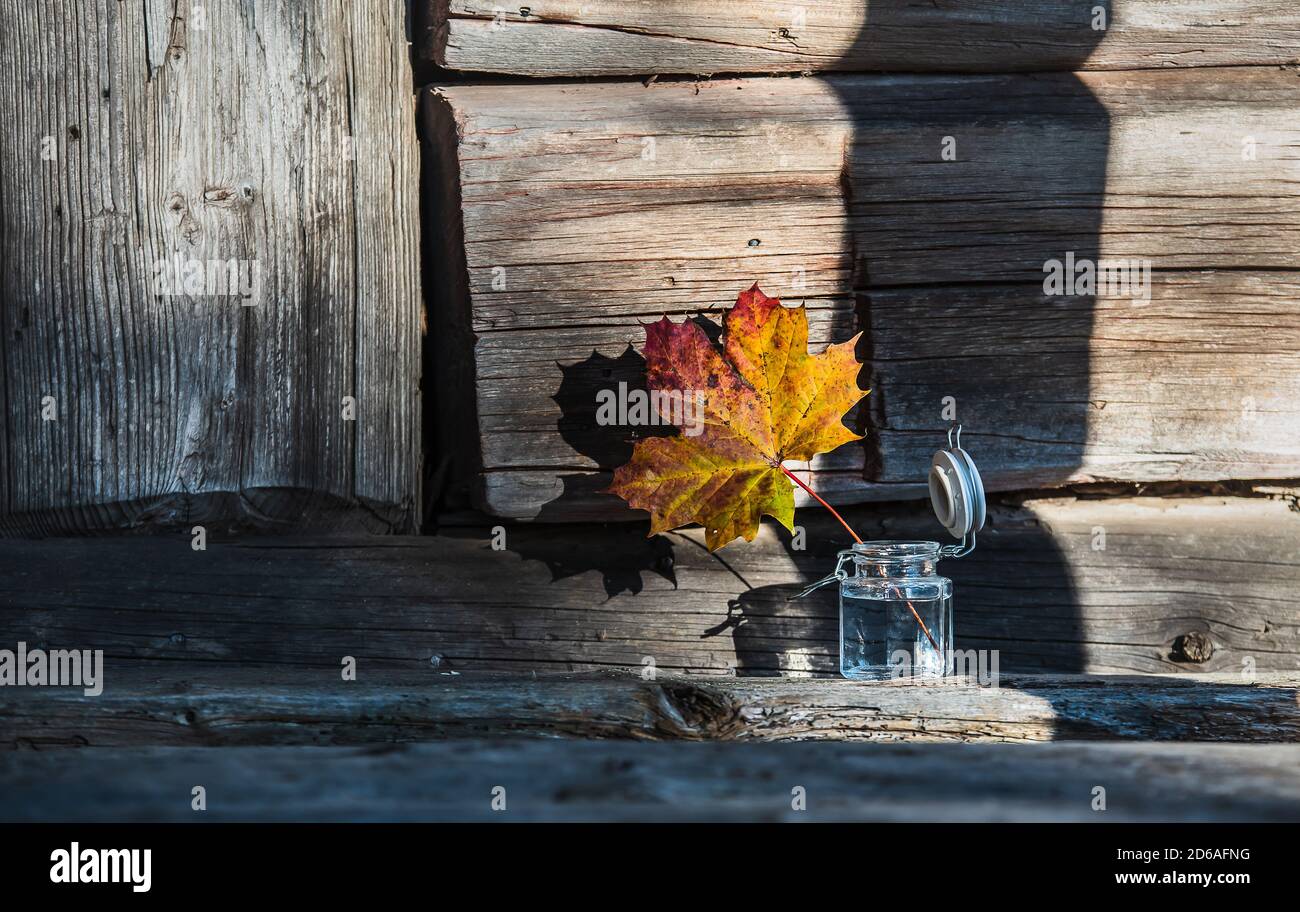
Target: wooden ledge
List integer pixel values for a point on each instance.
(250, 706)
(624, 781)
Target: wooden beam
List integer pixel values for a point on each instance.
(1200, 383)
(145, 151)
(639, 200)
(1108, 587)
(577, 495)
(193, 706)
(626, 37)
(1195, 384)
(588, 210)
(619, 781)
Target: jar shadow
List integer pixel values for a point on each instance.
(1014, 594)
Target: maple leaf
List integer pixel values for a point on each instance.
(765, 400)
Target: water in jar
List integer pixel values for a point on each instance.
(879, 635)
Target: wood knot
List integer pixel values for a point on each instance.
(185, 221)
(1193, 647)
(228, 197)
(693, 712)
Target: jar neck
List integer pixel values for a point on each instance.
(896, 560)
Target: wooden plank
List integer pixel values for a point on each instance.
(576, 496)
(626, 37)
(1107, 587)
(590, 209)
(276, 136)
(193, 706)
(1198, 384)
(620, 781)
(1114, 165)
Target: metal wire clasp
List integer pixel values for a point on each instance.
(839, 575)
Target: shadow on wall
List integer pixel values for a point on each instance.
(1013, 595)
(990, 208)
(957, 190)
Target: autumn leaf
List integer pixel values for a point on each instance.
(764, 400)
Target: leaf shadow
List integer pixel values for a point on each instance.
(608, 446)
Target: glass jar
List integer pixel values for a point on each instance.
(895, 611)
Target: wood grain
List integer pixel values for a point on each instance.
(1106, 587)
(275, 134)
(627, 37)
(1200, 383)
(588, 210)
(620, 781)
(194, 706)
(847, 171)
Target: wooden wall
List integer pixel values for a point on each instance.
(559, 214)
(577, 211)
(907, 171)
(279, 134)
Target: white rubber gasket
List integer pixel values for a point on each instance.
(976, 485)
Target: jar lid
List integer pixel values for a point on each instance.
(956, 489)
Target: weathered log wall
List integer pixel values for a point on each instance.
(587, 210)
(559, 216)
(925, 210)
(279, 135)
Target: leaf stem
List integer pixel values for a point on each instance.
(926, 630)
(813, 494)
(817, 497)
